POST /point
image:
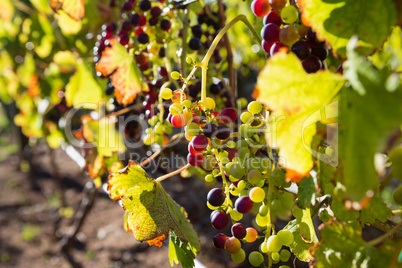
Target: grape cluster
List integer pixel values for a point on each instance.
(283, 31)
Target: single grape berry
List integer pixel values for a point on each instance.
(239, 257)
(238, 230)
(276, 47)
(216, 197)
(126, 26)
(270, 32)
(228, 115)
(289, 14)
(257, 194)
(200, 142)
(135, 19)
(244, 204)
(273, 17)
(312, 64)
(194, 160)
(321, 51)
(260, 8)
(210, 130)
(165, 25)
(254, 107)
(124, 39)
(196, 30)
(219, 220)
(161, 52)
(194, 43)
(219, 240)
(214, 89)
(156, 12)
(145, 5)
(251, 235)
(288, 35)
(266, 46)
(153, 21)
(277, 4)
(256, 258)
(223, 132)
(286, 237)
(143, 38)
(274, 244)
(301, 49)
(232, 245)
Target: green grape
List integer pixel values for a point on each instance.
(154, 119)
(286, 237)
(239, 257)
(243, 192)
(284, 266)
(264, 247)
(192, 129)
(241, 185)
(244, 130)
(147, 139)
(247, 118)
(186, 103)
(231, 144)
(262, 221)
(242, 103)
(260, 184)
(175, 75)
(257, 194)
(226, 168)
(274, 244)
(263, 211)
(166, 93)
(397, 196)
(215, 172)
(176, 109)
(237, 171)
(159, 139)
(254, 176)
(289, 14)
(254, 107)
(235, 215)
(232, 245)
(209, 178)
(190, 60)
(208, 162)
(210, 103)
(223, 156)
(242, 144)
(255, 258)
(159, 128)
(149, 131)
(167, 129)
(244, 153)
(289, 35)
(275, 256)
(211, 207)
(284, 255)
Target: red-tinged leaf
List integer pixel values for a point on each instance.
(126, 77)
(151, 212)
(74, 8)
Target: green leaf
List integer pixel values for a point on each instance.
(179, 252)
(377, 209)
(82, 90)
(26, 70)
(66, 60)
(368, 114)
(303, 232)
(152, 213)
(341, 245)
(296, 99)
(68, 25)
(338, 21)
(391, 53)
(306, 194)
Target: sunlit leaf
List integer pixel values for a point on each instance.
(126, 76)
(74, 8)
(307, 193)
(66, 60)
(152, 213)
(179, 252)
(338, 21)
(6, 10)
(26, 70)
(296, 99)
(82, 90)
(391, 53)
(68, 25)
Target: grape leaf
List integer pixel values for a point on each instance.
(338, 21)
(307, 193)
(179, 252)
(74, 8)
(152, 213)
(376, 209)
(296, 99)
(341, 245)
(123, 71)
(391, 52)
(367, 108)
(82, 90)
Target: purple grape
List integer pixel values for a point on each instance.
(276, 47)
(301, 49)
(145, 5)
(270, 32)
(214, 88)
(153, 21)
(216, 197)
(196, 30)
(162, 52)
(228, 115)
(320, 51)
(312, 64)
(244, 204)
(135, 19)
(165, 25)
(156, 12)
(200, 142)
(266, 46)
(239, 231)
(223, 132)
(124, 39)
(219, 240)
(220, 220)
(210, 130)
(143, 38)
(194, 43)
(273, 17)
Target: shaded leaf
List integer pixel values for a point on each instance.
(341, 245)
(376, 209)
(338, 21)
(296, 99)
(367, 116)
(74, 8)
(306, 193)
(152, 213)
(123, 71)
(179, 252)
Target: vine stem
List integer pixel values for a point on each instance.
(183, 54)
(204, 63)
(380, 239)
(164, 177)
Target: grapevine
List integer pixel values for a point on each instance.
(317, 139)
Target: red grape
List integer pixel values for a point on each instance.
(260, 8)
(239, 231)
(276, 47)
(194, 160)
(200, 142)
(219, 240)
(244, 204)
(301, 49)
(312, 64)
(270, 32)
(219, 220)
(216, 197)
(266, 46)
(228, 115)
(273, 17)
